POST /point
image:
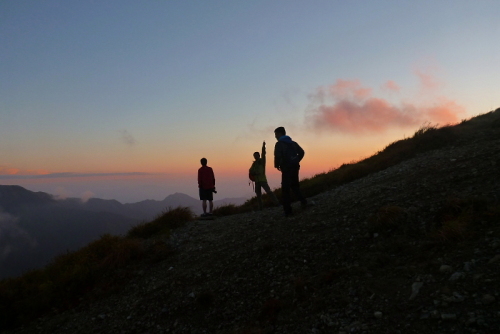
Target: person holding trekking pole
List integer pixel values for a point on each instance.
(287, 155)
(258, 173)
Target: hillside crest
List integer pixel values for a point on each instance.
(412, 248)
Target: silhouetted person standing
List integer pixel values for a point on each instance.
(258, 170)
(287, 156)
(206, 184)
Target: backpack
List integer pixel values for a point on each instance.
(252, 173)
(291, 156)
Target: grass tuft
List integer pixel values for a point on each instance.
(451, 231)
(387, 219)
(162, 224)
(457, 219)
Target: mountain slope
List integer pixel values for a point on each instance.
(412, 249)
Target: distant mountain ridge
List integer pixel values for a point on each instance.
(14, 198)
(35, 227)
(147, 209)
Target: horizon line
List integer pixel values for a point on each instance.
(69, 174)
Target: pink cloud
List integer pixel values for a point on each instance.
(445, 112)
(342, 89)
(428, 81)
(349, 89)
(373, 115)
(353, 109)
(391, 86)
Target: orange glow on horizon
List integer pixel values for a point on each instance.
(18, 171)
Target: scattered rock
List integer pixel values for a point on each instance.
(456, 276)
(488, 299)
(448, 316)
(494, 259)
(415, 288)
(445, 269)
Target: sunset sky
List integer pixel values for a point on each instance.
(121, 99)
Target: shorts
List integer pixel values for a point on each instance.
(206, 194)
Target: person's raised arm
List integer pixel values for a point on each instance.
(199, 178)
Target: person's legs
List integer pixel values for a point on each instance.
(258, 192)
(285, 189)
(203, 199)
(295, 185)
(266, 187)
(206, 195)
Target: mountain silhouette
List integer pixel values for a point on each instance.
(147, 209)
(14, 198)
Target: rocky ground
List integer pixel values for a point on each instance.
(366, 258)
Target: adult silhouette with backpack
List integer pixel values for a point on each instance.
(206, 184)
(287, 156)
(258, 173)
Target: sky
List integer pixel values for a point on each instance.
(121, 99)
